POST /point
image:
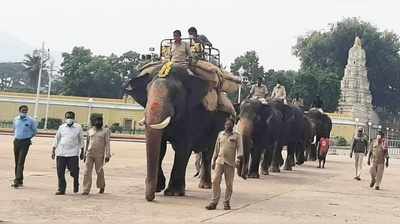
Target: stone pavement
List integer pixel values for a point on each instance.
(306, 195)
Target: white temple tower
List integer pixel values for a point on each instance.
(356, 97)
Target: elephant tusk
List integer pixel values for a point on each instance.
(161, 125)
(142, 122)
(315, 140)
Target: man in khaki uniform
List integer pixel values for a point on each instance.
(97, 152)
(378, 152)
(279, 93)
(180, 50)
(259, 90)
(228, 144)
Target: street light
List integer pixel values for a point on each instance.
(241, 72)
(356, 119)
(387, 133)
(49, 92)
(39, 53)
(90, 102)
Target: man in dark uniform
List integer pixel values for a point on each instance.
(198, 38)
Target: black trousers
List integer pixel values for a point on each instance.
(21, 148)
(72, 163)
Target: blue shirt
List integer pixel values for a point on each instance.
(24, 128)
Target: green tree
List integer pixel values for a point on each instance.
(12, 75)
(327, 52)
(32, 66)
(252, 70)
(76, 77)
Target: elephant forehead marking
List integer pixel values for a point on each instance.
(155, 105)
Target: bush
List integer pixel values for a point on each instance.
(340, 141)
(52, 123)
(116, 128)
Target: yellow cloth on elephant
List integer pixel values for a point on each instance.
(166, 69)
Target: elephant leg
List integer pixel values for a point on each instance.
(266, 163)
(276, 159)
(313, 153)
(300, 154)
(255, 163)
(176, 185)
(161, 177)
(205, 172)
(290, 158)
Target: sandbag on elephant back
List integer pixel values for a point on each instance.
(218, 77)
(151, 68)
(230, 83)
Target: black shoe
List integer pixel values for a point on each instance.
(227, 206)
(85, 193)
(377, 188)
(60, 193)
(371, 185)
(211, 206)
(15, 185)
(101, 191)
(358, 178)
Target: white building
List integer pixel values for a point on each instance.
(356, 98)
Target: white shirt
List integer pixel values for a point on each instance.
(69, 140)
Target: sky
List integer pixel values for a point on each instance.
(234, 26)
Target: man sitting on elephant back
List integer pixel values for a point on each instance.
(259, 90)
(279, 93)
(180, 50)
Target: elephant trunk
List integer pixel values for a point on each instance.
(245, 128)
(157, 117)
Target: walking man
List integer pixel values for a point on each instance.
(228, 145)
(378, 152)
(359, 148)
(25, 128)
(67, 144)
(97, 152)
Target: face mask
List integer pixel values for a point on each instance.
(22, 115)
(69, 121)
(378, 136)
(191, 36)
(277, 85)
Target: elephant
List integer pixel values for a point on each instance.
(322, 127)
(174, 113)
(265, 128)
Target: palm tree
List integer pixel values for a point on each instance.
(32, 66)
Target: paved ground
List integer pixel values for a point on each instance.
(306, 195)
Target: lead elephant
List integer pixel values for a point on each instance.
(322, 127)
(174, 113)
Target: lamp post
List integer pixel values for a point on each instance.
(387, 133)
(39, 53)
(369, 130)
(49, 93)
(356, 119)
(90, 102)
(241, 72)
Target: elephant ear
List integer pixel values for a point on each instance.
(137, 88)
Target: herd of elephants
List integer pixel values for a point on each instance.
(174, 113)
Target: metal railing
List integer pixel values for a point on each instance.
(394, 147)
